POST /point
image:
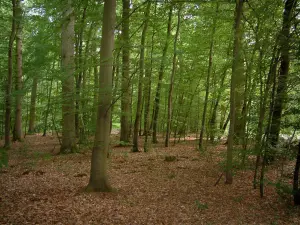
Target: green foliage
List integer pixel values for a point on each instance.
(3, 158)
(200, 205)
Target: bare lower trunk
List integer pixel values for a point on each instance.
(31, 128)
(98, 179)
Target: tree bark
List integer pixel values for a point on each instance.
(160, 77)
(280, 98)
(236, 71)
(210, 63)
(137, 122)
(126, 89)
(174, 64)
(19, 42)
(98, 179)
(67, 51)
(9, 78)
(32, 116)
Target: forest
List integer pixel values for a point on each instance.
(149, 112)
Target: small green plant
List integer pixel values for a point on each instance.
(3, 158)
(200, 205)
(172, 176)
(124, 144)
(170, 158)
(238, 199)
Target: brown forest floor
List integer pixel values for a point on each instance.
(38, 188)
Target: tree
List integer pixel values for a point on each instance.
(98, 179)
(67, 62)
(140, 84)
(236, 71)
(9, 78)
(126, 90)
(160, 76)
(281, 91)
(17, 134)
(169, 119)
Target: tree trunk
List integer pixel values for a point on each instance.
(210, 63)
(236, 71)
(147, 89)
(80, 68)
(98, 179)
(169, 120)
(126, 90)
(31, 129)
(137, 122)
(296, 191)
(18, 118)
(9, 78)
(67, 51)
(48, 108)
(262, 110)
(280, 98)
(160, 77)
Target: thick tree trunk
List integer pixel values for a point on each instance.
(236, 71)
(67, 51)
(210, 63)
(18, 118)
(160, 77)
(170, 109)
(98, 179)
(126, 90)
(31, 129)
(9, 78)
(137, 122)
(284, 42)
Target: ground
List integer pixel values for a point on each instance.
(40, 188)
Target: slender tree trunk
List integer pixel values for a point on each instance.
(9, 78)
(284, 42)
(67, 51)
(262, 110)
(169, 121)
(126, 90)
(160, 77)
(81, 69)
(210, 63)
(98, 179)
(296, 191)
(31, 129)
(236, 71)
(48, 108)
(137, 122)
(147, 89)
(18, 118)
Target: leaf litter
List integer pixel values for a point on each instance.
(40, 188)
